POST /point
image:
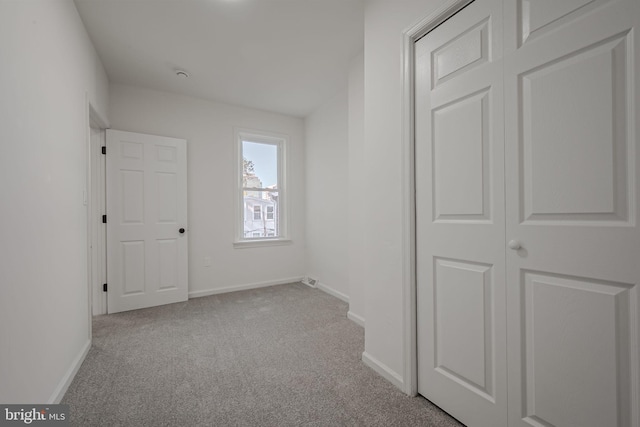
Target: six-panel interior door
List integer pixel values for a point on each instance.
(571, 96)
(146, 209)
(460, 216)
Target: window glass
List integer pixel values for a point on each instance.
(260, 187)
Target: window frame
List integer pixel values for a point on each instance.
(281, 213)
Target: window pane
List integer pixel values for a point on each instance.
(260, 165)
(261, 217)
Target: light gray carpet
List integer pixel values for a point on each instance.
(278, 356)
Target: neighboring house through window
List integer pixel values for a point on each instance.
(261, 195)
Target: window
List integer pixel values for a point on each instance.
(261, 195)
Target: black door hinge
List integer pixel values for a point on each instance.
(104, 288)
(104, 150)
(104, 219)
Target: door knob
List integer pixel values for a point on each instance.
(514, 244)
(181, 231)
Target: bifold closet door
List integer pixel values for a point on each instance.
(460, 216)
(527, 162)
(571, 96)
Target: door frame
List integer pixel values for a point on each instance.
(409, 285)
(94, 120)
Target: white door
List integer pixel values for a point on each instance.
(460, 216)
(572, 164)
(146, 220)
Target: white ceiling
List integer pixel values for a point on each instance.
(286, 56)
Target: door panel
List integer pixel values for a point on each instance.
(573, 358)
(133, 268)
(567, 109)
(461, 184)
(537, 17)
(132, 196)
(572, 200)
(466, 51)
(147, 205)
(168, 255)
(460, 216)
(463, 349)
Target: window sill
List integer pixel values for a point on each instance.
(242, 244)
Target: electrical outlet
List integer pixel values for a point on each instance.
(312, 281)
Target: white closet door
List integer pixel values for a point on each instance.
(460, 216)
(147, 219)
(572, 158)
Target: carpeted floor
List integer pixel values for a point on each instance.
(278, 356)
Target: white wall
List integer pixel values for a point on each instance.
(327, 198)
(385, 22)
(208, 128)
(335, 196)
(356, 190)
(48, 68)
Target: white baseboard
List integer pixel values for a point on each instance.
(332, 291)
(383, 370)
(66, 380)
(355, 318)
(205, 293)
